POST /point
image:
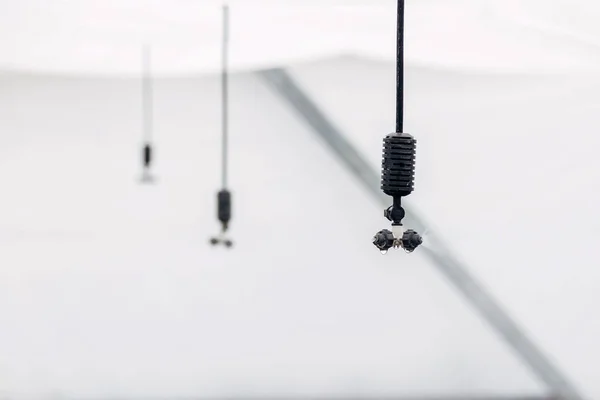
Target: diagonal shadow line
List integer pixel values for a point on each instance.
(436, 251)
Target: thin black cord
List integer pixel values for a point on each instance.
(146, 94)
(224, 97)
(400, 68)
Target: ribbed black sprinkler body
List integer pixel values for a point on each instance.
(224, 216)
(398, 165)
(147, 163)
(397, 181)
(147, 156)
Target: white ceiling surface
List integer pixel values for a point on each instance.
(87, 36)
(508, 172)
(109, 288)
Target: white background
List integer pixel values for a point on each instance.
(109, 288)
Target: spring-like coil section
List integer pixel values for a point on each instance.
(224, 206)
(147, 155)
(398, 165)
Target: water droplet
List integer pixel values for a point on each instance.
(384, 252)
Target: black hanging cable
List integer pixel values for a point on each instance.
(147, 114)
(400, 67)
(224, 95)
(398, 165)
(224, 195)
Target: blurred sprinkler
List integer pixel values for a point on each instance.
(224, 195)
(147, 117)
